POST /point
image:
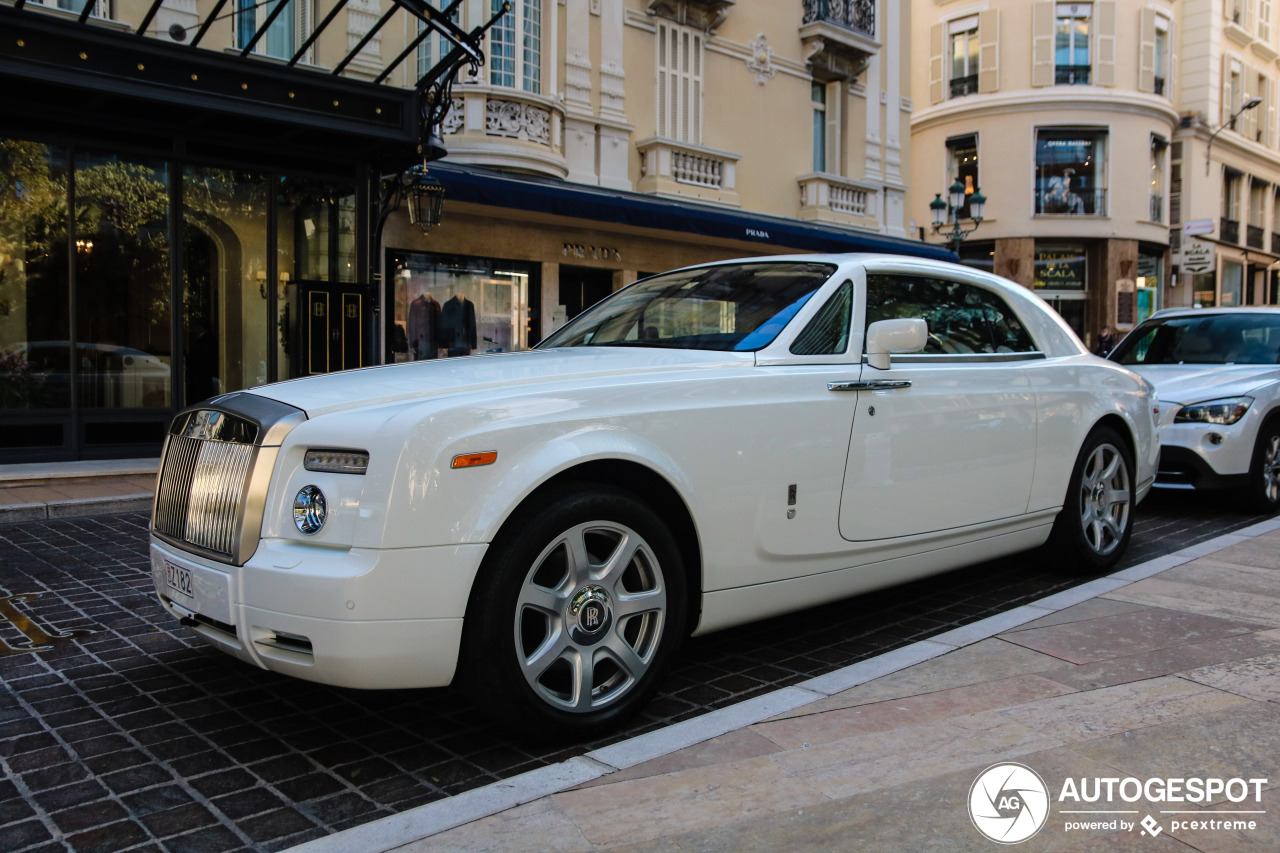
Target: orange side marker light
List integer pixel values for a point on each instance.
(474, 460)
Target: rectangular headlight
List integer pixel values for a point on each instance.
(337, 461)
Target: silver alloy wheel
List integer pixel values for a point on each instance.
(589, 617)
(1104, 499)
(1271, 469)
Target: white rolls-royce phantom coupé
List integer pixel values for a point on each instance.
(705, 447)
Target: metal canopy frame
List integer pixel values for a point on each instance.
(123, 61)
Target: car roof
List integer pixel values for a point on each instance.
(1189, 312)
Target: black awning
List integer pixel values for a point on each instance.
(78, 73)
(558, 198)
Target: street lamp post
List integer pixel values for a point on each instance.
(1249, 104)
(944, 212)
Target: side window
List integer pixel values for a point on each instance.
(828, 331)
(963, 319)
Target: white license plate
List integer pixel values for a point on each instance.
(178, 579)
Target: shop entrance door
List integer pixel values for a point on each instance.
(336, 327)
(582, 287)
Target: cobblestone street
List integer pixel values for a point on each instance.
(118, 731)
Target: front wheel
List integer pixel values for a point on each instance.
(1262, 494)
(1092, 531)
(579, 605)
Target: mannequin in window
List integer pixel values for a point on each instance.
(424, 327)
(458, 325)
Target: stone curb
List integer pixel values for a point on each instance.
(75, 508)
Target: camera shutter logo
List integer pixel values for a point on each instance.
(1008, 803)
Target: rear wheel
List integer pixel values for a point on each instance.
(1093, 529)
(577, 611)
(1262, 494)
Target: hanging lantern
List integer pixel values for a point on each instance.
(426, 200)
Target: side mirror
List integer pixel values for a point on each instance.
(890, 336)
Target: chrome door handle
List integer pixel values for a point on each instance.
(869, 385)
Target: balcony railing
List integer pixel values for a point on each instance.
(961, 86)
(1071, 203)
(1159, 86)
(672, 168)
(1157, 208)
(856, 15)
(1253, 237)
(1071, 75)
(1230, 230)
(1275, 243)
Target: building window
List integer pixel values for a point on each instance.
(963, 36)
(1231, 183)
(819, 95)
(515, 46)
(434, 47)
(679, 83)
(1071, 44)
(1071, 172)
(1254, 231)
(278, 41)
(1160, 58)
(962, 163)
(1263, 21)
(1156, 178)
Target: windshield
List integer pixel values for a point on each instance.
(740, 307)
(1207, 339)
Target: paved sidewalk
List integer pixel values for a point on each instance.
(35, 491)
(1170, 669)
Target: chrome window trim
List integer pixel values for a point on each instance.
(964, 358)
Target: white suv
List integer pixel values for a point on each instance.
(1217, 375)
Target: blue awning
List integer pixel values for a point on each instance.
(577, 201)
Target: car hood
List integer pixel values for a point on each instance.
(421, 380)
(1194, 383)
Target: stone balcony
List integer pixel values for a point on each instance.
(839, 201)
(683, 170)
(506, 129)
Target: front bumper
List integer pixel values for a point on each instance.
(348, 617)
(1205, 456)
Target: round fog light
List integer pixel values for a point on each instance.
(309, 510)
(1215, 439)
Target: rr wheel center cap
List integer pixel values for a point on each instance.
(589, 615)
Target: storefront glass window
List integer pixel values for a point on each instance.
(1071, 172)
(1232, 284)
(1061, 277)
(35, 349)
(450, 306)
(226, 281)
(124, 342)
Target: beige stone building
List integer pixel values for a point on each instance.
(1065, 115)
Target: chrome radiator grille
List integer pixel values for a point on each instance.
(215, 474)
(201, 490)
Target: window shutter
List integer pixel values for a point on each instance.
(1269, 131)
(1227, 107)
(1042, 21)
(1106, 72)
(988, 53)
(664, 75)
(1172, 80)
(936, 83)
(1147, 50)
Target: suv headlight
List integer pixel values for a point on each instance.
(1222, 412)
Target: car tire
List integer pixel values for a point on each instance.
(576, 612)
(1262, 494)
(1091, 533)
